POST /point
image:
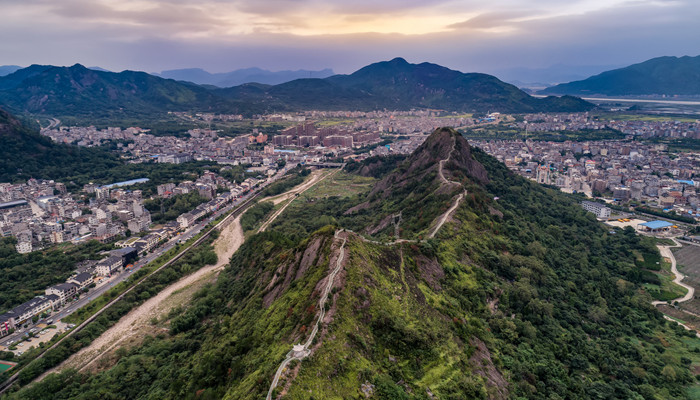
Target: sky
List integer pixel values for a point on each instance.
(223, 35)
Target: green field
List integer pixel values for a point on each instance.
(341, 184)
(688, 261)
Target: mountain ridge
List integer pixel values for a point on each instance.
(658, 76)
(397, 84)
(26, 154)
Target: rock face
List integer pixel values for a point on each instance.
(423, 185)
(443, 144)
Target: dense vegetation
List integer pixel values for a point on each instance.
(26, 154)
(27, 275)
(82, 92)
(523, 296)
(375, 166)
(78, 94)
(164, 210)
(255, 214)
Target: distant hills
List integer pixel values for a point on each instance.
(77, 91)
(25, 154)
(397, 84)
(241, 76)
(80, 91)
(658, 76)
(8, 69)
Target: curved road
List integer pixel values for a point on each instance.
(666, 252)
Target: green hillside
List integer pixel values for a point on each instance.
(520, 294)
(25, 154)
(79, 91)
(662, 75)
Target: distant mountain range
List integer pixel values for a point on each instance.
(241, 76)
(397, 84)
(78, 91)
(658, 76)
(8, 69)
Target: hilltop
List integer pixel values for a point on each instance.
(658, 76)
(519, 294)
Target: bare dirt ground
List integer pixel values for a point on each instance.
(133, 327)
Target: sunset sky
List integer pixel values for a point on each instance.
(468, 35)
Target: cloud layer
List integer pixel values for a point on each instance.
(221, 35)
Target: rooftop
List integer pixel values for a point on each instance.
(657, 224)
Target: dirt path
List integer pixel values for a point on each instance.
(293, 193)
(137, 324)
(301, 351)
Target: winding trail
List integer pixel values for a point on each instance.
(447, 214)
(667, 253)
(301, 351)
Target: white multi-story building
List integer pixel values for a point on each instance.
(600, 210)
(24, 247)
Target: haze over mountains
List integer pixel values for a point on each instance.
(658, 76)
(395, 84)
(525, 77)
(241, 76)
